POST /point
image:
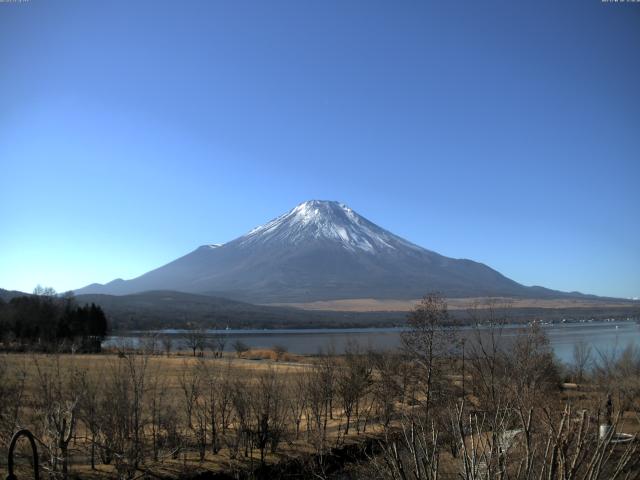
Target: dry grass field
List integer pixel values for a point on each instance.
(180, 385)
(391, 305)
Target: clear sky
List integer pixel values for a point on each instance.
(507, 132)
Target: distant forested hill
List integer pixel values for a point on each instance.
(168, 309)
(6, 295)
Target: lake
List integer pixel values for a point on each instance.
(603, 336)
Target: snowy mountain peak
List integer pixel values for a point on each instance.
(325, 221)
(318, 211)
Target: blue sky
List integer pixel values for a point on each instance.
(506, 132)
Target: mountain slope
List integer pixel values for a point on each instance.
(7, 295)
(321, 250)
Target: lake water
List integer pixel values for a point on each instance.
(603, 336)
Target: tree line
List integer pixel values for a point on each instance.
(46, 321)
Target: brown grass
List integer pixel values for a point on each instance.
(399, 305)
(169, 369)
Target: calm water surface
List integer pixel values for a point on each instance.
(602, 336)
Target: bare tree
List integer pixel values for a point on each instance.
(241, 423)
(429, 339)
(158, 411)
(122, 414)
(212, 390)
(487, 361)
(218, 344)
(44, 291)
(320, 387)
(167, 344)
(195, 339)
(410, 454)
(149, 344)
(353, 382)
(388, 386)
(240, 347)
(617, 373)
(202, 411)
(268, 411)
(297, 400)
(224, 396)
(582, 358)
(89, 384)
(189, 381)
(57, 404)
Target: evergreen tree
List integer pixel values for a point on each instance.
(46, 321)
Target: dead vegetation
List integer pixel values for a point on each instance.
(488, 407)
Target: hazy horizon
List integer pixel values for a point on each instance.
(504, 132)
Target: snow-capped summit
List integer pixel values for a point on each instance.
(321, 220)
(320, 250)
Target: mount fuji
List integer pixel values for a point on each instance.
(322, 250)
